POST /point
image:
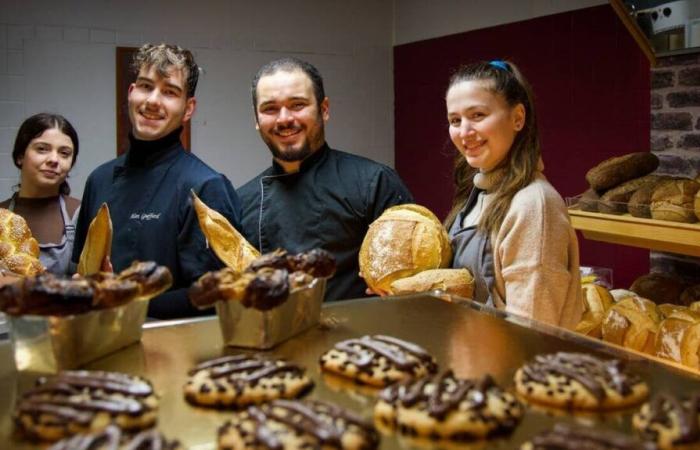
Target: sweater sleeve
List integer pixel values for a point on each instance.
(539, 267)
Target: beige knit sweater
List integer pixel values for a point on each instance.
(535, 254)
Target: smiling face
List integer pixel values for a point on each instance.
(481, 123)
(288, 117)
(158, 105)
(45, 164)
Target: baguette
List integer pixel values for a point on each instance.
(98, 243)
(453, 281)
(228, 244)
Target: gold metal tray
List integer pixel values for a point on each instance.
(469, 338)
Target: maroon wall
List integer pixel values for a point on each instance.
(592, 90)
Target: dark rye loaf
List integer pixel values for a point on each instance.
(615, 171)
(638, 204)
(615, 200)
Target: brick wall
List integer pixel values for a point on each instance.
(675, 138)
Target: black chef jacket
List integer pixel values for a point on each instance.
(329, 204)
(148, 194)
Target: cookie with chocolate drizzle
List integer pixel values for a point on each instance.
(241, 380)
(670, 421)
(565, 436)
(288, 425)
(579, 381)
(447, 407)
(85, 401)
(378, 360)
(113, 438)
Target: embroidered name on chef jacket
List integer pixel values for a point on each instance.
(145, 216)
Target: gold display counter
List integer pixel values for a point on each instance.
(470, 339)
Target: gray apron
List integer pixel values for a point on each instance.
(56, 257)
(471, 249)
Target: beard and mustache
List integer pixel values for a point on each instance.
(313, 141)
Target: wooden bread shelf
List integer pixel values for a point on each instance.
(665, 236)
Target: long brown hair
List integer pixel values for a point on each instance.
(504, 79)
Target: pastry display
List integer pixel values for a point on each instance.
(378, 360)
(404, 240)
(113, 438)
(266, 283)
(632, 323)
(241, 380)
(85, 401)
(228, 244)
(675, 201)
(98, 243)
(453, 281)
(19, 251)
(48, 294)
(447, 407)
(288, 425)
(670, 421)
(579, 381)
(566, 436)
(615, 171)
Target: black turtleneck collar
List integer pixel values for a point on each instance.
(143, 153)
(310, 160)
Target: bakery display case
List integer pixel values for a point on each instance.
(469, 338)
(624, 229)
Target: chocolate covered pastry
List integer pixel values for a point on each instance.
(288, 425)
(447, 407)
(579, 381)
(49, 294)
(670, 421)
(566, 436)
(242, 380)
(378, 360)
(85, 401)
(266, 283)
(113, 438)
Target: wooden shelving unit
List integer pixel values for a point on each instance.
(658, 235)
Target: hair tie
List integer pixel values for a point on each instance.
(500, 64)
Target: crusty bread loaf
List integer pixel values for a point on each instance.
(638, 204)
(675, 201)
(98, 243)
(453, 281)
(667, 343)
(228, 244)
(19, 251)
(615, 200)
(658, 287)
(597, 301)
(404, 240)
(632, 323)
(588, 201)
(615, 171)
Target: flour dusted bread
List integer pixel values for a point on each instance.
(19, 251)
(615, 171)
(675, 201)
(597, 301)
(228, 244)
(404, 240)
(453, 281)
(98, 243)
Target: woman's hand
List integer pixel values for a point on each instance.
(7, 277)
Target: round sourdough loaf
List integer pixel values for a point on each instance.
(404, 240)
(675, 201)
(615, 171)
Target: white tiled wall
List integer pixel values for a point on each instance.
(59, 56)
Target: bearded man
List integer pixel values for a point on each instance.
(312, 196)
